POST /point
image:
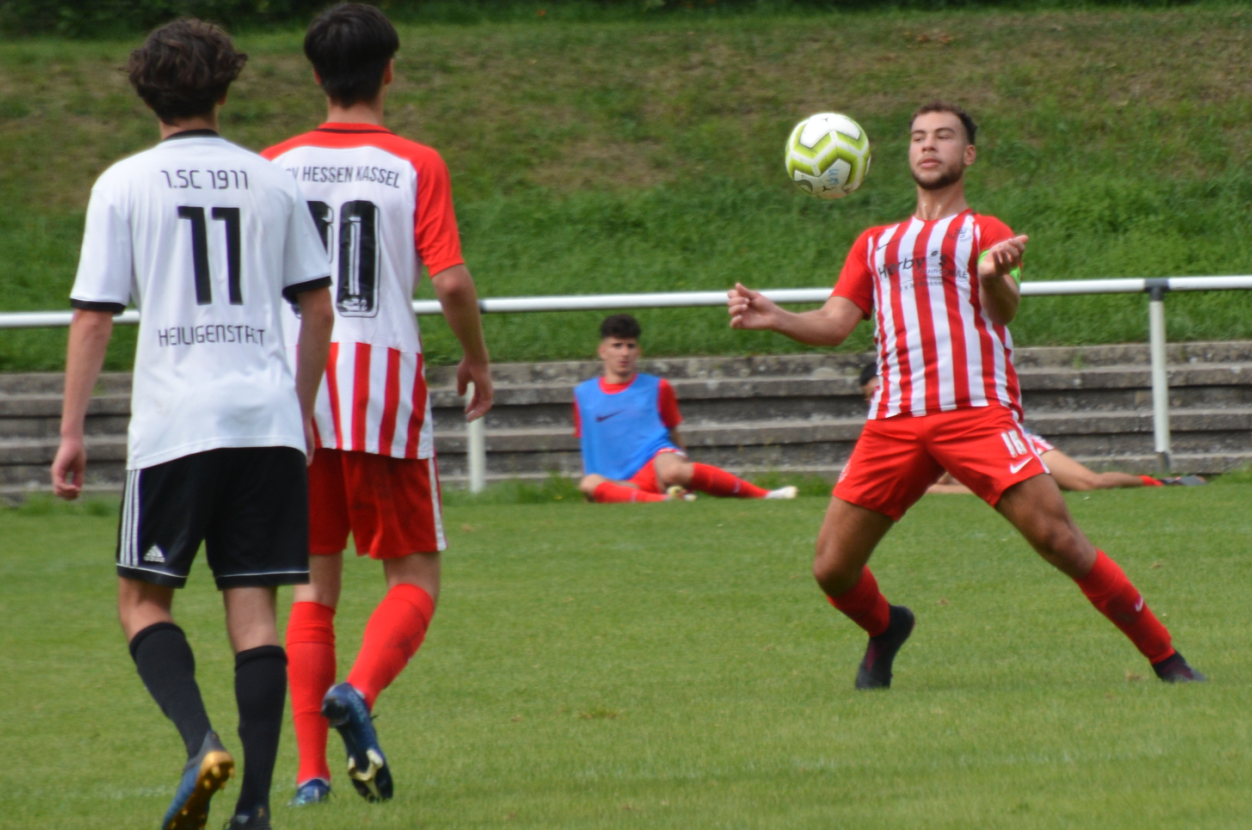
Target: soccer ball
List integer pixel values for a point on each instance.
(828, 155)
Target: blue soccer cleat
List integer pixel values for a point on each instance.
(313, 791)
(205, 774)
(345, 708)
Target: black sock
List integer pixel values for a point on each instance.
(261, 691)
(168, 668)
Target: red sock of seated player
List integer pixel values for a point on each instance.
(865, 605)
(609, 492)
(1149, 481)
(1115, 597)
(392, 636)
(310, 672)
(718, 482)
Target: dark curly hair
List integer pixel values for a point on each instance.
(184, 68)
(620, 326)
(967, 120)
(349, 45)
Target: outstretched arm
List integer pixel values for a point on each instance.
(456, 292)
(997, 290)
(89, 337)
(829, 325)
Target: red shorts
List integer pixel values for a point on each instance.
(390, 505)
(645, 479)
(1042, 444)
(896, 459)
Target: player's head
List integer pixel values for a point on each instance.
(619, 344)
(351, 46)
(868, 380)
(184, 69)
(941, 144)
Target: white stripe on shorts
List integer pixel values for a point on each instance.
(436, 507)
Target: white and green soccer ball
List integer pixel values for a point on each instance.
(828, 155)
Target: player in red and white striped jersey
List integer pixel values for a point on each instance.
(941, 288)
(383, 206)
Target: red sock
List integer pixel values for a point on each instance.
(1112, 593)
(310, 672)
(392, 636)
(609, 492)
(1149, 481)
(865, 605)
(718, 482)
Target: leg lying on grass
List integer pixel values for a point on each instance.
(673, 469)
(603, 491)
(1036, 509)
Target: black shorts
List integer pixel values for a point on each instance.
(250, 506)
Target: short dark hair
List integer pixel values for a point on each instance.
(349, 46)
(184, 68)
(967, 121)
(868, 372)
(621, 326)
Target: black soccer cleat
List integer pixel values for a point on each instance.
(258, 819)
(875, 670)
(1176, 669)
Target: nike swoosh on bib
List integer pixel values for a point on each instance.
(610, 415)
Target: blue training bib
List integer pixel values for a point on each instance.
(623, 431)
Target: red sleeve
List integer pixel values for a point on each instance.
(856, 280)
(435, 233)
(578, 421)
(667, 402)
(991, 231)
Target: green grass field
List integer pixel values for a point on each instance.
(673, 666)
(645, 154)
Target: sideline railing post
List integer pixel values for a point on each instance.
(1160, 377)
(475, 449)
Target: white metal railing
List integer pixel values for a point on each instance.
(1155, 287)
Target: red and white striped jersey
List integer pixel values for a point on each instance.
(937, 349)
(383, 206)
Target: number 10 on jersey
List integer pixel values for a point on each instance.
(356, 293)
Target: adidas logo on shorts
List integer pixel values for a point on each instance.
(154, 554)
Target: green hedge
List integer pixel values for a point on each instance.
(111, 18)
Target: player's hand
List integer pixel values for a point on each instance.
(484, 394)
(68, 467)
(310, 441)
(1002, 258)
(750, 309)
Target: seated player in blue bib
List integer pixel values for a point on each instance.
(627, 424)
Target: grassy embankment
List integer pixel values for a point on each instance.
(636, 156)
(673, 666)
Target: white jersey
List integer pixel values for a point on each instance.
(205, 238)
(383, 205)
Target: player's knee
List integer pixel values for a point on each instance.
(589, 484)
(833, 575)
(676, 472)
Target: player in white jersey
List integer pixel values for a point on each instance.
(383, 205)
(209, 241)
(941, 288)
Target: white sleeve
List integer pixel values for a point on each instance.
(106, 264)
(306, 264)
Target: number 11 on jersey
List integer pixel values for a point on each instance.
(200, 251)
